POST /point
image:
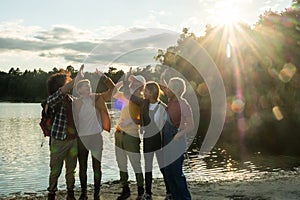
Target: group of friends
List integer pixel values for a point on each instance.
(79, 122)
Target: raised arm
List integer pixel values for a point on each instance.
(109, 83)
(128, 95)
(67, 87)
(163, 84)
(57, 96)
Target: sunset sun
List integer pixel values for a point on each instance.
(226, 13)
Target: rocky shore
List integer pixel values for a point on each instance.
(276, 188)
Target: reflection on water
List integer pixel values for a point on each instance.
(24, 163)
(220, 166)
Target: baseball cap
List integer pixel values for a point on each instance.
(139, 78)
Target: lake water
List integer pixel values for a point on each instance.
(24, 163)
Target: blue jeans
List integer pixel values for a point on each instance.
(174, 173)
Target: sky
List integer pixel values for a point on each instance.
(46, 34)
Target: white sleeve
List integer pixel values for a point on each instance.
(160, 117)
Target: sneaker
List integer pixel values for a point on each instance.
(147, 197)
(168, 197)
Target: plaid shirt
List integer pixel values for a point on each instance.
(60, 123)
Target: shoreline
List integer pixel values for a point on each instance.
(281, 187)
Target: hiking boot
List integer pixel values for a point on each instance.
(51, 196)
(147, 197)
(83, 196)
(168, 196)
(140, 193)
(125, 193)
(70, 195)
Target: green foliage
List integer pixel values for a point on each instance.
(262, 70)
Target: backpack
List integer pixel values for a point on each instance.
(47, 119)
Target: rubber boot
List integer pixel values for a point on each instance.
(125, 193)
(51, 196)
(70, 195)
(140, 192)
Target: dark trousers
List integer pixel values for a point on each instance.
(83, 153)
(177, 181)
(148, 170)
(173, 171)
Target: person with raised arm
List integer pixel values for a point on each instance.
(91, 118)
(127, 140)
(63, 134)
(179, 123)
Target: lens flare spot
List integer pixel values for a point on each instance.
(287, 72)
(264, 102)
(255, 120)
(228, 51)
(193, 84)
(267, 62)
(202, 89)
(242, 124)
(277, 113)
(237, 105)
(118, 104)
(74, 151)
(272, 72)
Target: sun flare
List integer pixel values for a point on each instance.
(226, 13)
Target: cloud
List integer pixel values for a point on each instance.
(136, 46)
(65, 33)
(15, 30)
(67, 43)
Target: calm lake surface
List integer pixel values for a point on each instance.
(24, 162)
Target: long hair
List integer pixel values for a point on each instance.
(154, 88)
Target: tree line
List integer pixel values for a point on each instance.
(260, 67)
(31, 86)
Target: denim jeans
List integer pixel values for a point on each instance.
(174, 173)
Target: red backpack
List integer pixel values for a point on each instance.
(47, 119)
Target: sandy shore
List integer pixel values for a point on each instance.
(281, 188)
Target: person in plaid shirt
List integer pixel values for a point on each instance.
(63, 142)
